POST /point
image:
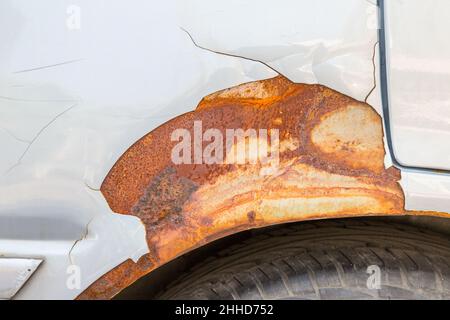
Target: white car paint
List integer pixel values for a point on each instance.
(82, 80)
(418, 67)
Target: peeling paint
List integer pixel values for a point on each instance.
(374, 71)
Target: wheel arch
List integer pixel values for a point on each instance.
(330, 165)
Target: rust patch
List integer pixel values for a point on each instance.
(331, 159)
(163, 199)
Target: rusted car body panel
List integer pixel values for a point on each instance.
(331, 164)
(70, 109)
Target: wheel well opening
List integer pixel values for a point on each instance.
(151, 285)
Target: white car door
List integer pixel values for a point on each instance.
(417, 51)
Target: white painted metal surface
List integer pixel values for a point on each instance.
(14, 272)
(82, 80)
(418, 51)
(423, 191)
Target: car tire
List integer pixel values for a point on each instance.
(337, 259)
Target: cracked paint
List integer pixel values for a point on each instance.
(295, 43)
(60, 176)
(374, 72)
(48, 66)
(109, 284)
(229, 54)
(38, 134)
(84, 236)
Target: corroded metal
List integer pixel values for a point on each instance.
(331, 164)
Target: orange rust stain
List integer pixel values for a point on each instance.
(331, 164)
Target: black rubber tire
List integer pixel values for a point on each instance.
(324, 260)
